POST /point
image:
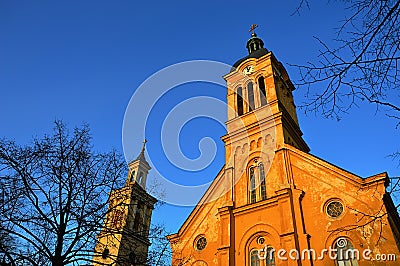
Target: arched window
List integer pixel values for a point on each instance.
(261, 176)
(132, 258)
(270, 260)
(250, 93)
(138, 218)
(200, 263)
(105, 253)
(140, 178)
(239, 101)
(265, 256)
(263, 95)
(117, 219)
(132, 176)
(254, 260)
(136, 223)
(346, 254)
(257, 183)
(253, 191)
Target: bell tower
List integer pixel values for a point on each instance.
(259, 89)
(262, 119)
(123, 240)
(138, 169)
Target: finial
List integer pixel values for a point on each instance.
(254, 43)
(141, 154)
(144, 145)
(252, 28)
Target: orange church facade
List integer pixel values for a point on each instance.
(274, 203)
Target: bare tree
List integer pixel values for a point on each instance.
(6, 245)
(160, 252)
(55, 196)
(54, 199)
(362, 64)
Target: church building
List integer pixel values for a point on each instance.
(123, 240)
(275, 203)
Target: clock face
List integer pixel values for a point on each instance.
(248, 70)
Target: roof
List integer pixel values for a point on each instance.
(256, 54)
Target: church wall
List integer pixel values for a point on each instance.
(360, 221)
(208, 224)
(260, 220)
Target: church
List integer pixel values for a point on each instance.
(272, 203)
(124, 238)
(275, 203)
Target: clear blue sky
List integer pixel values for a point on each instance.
(81, 61)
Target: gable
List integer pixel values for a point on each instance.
(207, 202)
(322, 181)
(319, 170)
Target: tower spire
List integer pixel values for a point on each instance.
(138, 169)
(141, 154)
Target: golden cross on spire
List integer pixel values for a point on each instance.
(252, 28)
(144, 145)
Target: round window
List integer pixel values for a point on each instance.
(201, 243)
(260, 240)
(105, 253)
(334, 208)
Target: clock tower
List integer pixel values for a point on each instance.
(123, 240)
